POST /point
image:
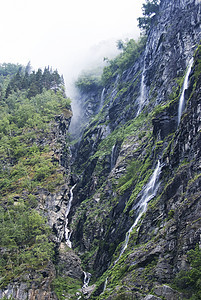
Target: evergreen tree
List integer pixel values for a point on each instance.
(25, 81)
(39, 81)
(8, 90)
(149, 10)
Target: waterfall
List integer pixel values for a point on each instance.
(184, 88)
(148, 193)
(105, 285)
(87, 277)
(67, 232)
(102, 98)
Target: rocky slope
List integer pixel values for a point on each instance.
(119, 152)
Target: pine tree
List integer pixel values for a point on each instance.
(149, 10)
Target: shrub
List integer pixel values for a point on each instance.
(189, 281)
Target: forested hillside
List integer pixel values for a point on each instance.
(32, 106)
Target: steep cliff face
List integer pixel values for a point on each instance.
(50, 200)
(171, 43)
(127, 195)
(35, 180)
(131, 254)
(87, 103)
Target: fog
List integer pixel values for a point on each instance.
(67, 35)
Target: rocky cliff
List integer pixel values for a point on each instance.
(131, 254)
(128, 196)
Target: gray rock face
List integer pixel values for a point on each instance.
(37, 285)
(112, 178)
(151, 297)
(167, 292)
(171, 43)
(53, 205)
(31, 286)
(69, 264)
(103, 212)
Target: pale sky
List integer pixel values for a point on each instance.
(64, 34)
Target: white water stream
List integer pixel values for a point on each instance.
(105, 285)
(149, 192)
(67, 232)
(184, 88)
(102, 98)
(87, 277)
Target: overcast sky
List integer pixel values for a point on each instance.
(64, 34)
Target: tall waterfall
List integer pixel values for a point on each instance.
(184, 88)
(112, 163)
(148, 193)
(105, 285)
(87, 277)
(67, 232)
(102, 98)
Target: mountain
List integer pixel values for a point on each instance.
(118, 207)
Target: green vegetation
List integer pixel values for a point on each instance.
(131, 51)
(189, 281)
(119, 135)
(27, 163)
(24, 238)
(197, 55)
(66, 286)
(149, 10)
(34, 82)
(10, 69)
(89, 81)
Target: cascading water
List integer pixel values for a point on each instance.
(102, 98)
(67, 232)
(105, 285)
(148, 193)
(87, 277)
(184, 88)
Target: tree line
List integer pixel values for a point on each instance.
(34, 82)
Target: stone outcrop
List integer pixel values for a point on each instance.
(33, 286)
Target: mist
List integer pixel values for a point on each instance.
(70, 36)
(63, 34)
